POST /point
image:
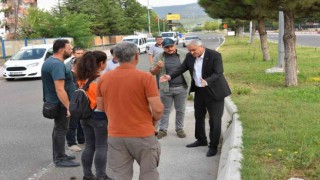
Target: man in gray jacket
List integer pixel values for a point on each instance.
(175, 91)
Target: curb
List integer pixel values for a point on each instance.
(231, 132)
(231, 155)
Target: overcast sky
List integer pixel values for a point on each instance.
(47, 4)
(156, 3)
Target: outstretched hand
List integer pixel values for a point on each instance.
(164, 78)
(160, 64)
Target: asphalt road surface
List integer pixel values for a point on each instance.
(302, 39)
(25, 143)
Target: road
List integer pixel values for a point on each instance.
(302, 39)
(25, 143)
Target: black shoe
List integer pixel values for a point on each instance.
(69, 157)
(91, 177)
(212, 152)
(104, 178)
(197, 143)
(66, 163)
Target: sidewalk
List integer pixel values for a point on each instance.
(176, 162)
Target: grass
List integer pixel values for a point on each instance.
(281, 135)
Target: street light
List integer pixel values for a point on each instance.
(149, 8)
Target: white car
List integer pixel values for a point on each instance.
(187, 40)
(150, 42)
(172, 35)
(27, 62)
(138, 40)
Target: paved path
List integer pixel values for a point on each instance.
(177, 162)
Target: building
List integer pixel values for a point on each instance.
(11, 10)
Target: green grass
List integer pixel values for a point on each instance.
(281, 125)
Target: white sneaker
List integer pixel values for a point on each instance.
(74, 148)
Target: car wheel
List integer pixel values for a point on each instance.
(139, 51)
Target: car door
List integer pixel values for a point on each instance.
(144, 44)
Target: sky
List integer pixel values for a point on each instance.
(47, 4)
(157, 3)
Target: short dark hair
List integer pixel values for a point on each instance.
(74, 49)
(158, 37)
(111, 50)
(59, 44)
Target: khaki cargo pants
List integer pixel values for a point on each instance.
(123, 151)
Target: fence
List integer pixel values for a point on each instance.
(9, 47)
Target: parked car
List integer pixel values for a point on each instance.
(172, 35)
(27, 62)
(187, 40)
(150, 42)
(139, 41)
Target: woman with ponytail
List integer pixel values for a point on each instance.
(88, 68)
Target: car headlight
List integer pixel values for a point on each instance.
(5, 66)
(33, 64)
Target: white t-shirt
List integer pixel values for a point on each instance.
(110, 66)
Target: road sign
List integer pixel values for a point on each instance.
(173, 17)
(225, 26)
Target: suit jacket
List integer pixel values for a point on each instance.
(212, 72)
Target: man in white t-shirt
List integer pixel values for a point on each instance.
(155, 49)
(112, 64)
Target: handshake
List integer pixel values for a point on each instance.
(164, 78)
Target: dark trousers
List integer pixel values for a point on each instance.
(60, 129)
(204, 102)
(75, 132)
(95, 131)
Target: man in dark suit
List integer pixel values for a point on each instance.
(210, 87)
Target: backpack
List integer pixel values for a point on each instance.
(79, 107)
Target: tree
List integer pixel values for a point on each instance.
(134, 15)
(38, 23)
(211, 25)
(240, 11)
(291, 9)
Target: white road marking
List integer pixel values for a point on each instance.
(43, 171)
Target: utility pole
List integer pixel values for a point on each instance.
(280, 41)
(149, 18)
(158, 25)
(164, 25)
(279, 68)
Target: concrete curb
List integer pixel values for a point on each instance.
(231, 155)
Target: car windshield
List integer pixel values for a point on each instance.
(189, 38)
(131, 40)
(151, 40)
(167, 35)
(29, 54)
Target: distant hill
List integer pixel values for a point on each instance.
(191, 14)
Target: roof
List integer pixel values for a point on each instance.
(38, 46)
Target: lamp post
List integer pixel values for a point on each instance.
(158, 25)
(149, 7)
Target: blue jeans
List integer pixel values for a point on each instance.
(59, 134)
(95, 132)
(75, 132)
(178, 96)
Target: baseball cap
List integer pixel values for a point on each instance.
(167, 42)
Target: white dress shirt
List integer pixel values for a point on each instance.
(197, 73)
